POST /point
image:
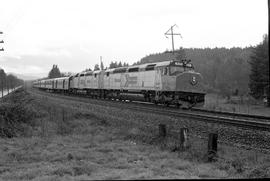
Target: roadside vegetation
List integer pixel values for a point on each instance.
(236, 104)
(48, 138)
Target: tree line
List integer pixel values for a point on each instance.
(113, 64)
(228, 71)
(8, 81)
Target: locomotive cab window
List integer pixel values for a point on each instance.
(150, 67)
(119, 70)
(89, 74)
(174, 70)
(135, 69)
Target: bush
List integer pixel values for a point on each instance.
(15, 115)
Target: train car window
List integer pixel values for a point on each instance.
(81, 75)
(135, 69)
(89, 74)
(120, 70)
(76, 75)
(108, 73)
(95, 75)
(150, 67)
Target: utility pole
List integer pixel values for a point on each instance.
(170, 32)
(101, 63)
(2, 85)
(1, 41)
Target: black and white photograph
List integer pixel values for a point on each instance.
(134, 90)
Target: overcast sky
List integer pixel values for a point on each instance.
(74, 33)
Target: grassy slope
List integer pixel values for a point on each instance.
(100, 142)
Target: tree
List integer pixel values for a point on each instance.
(8, 81)
(113, 65)
(88, 69)
(119, 64)
(180, 54)
(54, 73)
(259, 76)
(2, 80)
(96, 67)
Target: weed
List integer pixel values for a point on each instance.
(62, 171)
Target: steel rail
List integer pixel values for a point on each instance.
(243, 122)
(233, 114)
(211, 118)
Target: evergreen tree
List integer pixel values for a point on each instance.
(119, 64)
(259, 76)
(125, 64)
(96, 67)
(54, 73)
(2, 80)
(180, 54)
(113, 65)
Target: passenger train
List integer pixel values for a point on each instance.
(168, 82)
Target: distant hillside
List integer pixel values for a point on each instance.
(223, 69)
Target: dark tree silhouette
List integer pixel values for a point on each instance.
(113, 65)
(54, 73)
(8, 81)
(2, 80)
(259, 76)
(224, 69)
(96, 67)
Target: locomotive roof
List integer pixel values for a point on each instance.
(156, 64)
(142, 66)
(60, 78)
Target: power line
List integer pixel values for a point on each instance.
(170, 32)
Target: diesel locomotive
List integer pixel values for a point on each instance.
(168, 82)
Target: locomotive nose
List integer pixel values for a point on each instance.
(190, 82)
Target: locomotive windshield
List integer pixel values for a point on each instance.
(177, 67)
(174, 70)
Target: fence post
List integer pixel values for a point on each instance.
(212, 146)
(183, 138)
(162, 130)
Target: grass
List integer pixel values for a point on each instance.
(236, 104)
(75, 141)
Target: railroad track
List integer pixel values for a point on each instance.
(232, 133)
(246, 116)
(239, 120)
